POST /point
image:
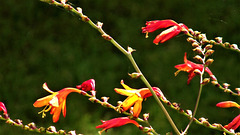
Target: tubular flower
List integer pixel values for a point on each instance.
(87, 85)
(167, 34)
(190, 67)
(54, 102)
(116, 122)
(227, 104)
(3, 108)
(135, 97)
(235, 123)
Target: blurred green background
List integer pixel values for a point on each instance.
(42, 43)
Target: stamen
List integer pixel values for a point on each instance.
(176, 73)
(45, 110)
(146, 35)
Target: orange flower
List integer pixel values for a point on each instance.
(167, 34)
(116, 122)
(135, 97)
(3, 108)
(54, 102)
(235, 123)
(189, 67)
(227, 104)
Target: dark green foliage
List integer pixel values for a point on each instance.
(41, 43)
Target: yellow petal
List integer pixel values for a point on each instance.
(54, 101)
(125, 86)
(43, 101)
(130, 101)
(125, 92)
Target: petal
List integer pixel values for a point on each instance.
(167, 34)
(125, 86)
(234, 124)
(151, 26)
(56, 113)
(130, 101)
(87, 85)
(64, 111)
(125, 92)
(54, 101)
(46, 88)
(227, 104)
(44, 101)
(190, 76)
(137, 108)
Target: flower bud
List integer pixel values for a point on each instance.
(209, 62)
(105, 99)
(191, 31)
(209, 52)
(32, 125)
(209, 46)
(130, 50)
(135, 75)
(52, 129)
(99, 24)
(191, 40)
(234, 46)
(85, 18)
(198, 50)
(215, 83)
(195, 44)
(72, 133)
(205, 81)
(61, 132)
(189, 112)
(218, 39)
(226, 85)
(198, 58)
(145, 116)
(107, 37)
(227, 44)
(197, 71)
(79, 10)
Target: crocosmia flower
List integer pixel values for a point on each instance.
(235, 123)
(87, 85)
(135, 97)
(167, 34)
(54, 102)
(116, 122)
(3, 108)
(190, 67)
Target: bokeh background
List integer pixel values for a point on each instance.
(42, 43)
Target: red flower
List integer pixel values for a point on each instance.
(234, 124)
(236, 121)
(3, 108)
(167, 34)
(189, 67)
(54, 102)
(135, 97)
(116, 122)
(87, 85)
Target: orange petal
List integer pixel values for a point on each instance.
(125, 86)
(137, 108)
(56, 113)
(130, 101)
(43, 101)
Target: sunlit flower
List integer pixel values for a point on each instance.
(167, 34)
(116, 122)
(190, 67)
(54, 102)
(135, 97)
(87, 85)
(235, 123)
(3, 108)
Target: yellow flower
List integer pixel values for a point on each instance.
(135, 97)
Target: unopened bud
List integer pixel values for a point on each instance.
(146, 129)
(72, 132)
(238, 90)
(135, 75)
(226, 85)
(79, 10)
(52, 129)
(218, 126)
(196, 33)
(61, 132)
(99, 24)
(215, 83)
(189, 112)
(212, 42)
(209, 62)
(145, 116)
(85, 18)
(218, 39)
(205, 81)
(191, 40)
(18, 121)
(234, 46)
(198, 50)
(105, 99)
(32, 125)
(195, 44)
(198, 58)
(107, 37)
(191, 31)
(209, 46)
(130, 50)
(227, 44)
(209, 52)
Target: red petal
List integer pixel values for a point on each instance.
(3, 108)
(234, 124)
(151, 26)
(167, 34)
(227, 104)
